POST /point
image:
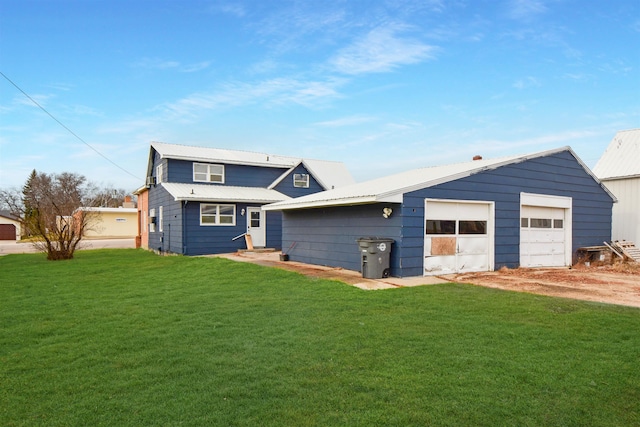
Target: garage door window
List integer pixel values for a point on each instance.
(450, 227)
(436, 226)
(473, 227)
(541, 223)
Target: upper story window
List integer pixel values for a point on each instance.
(301, 180)
(203, 172)
(159, 177)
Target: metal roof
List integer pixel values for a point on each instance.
(222, 193)
(390, 189)
(207, 154)
(329, 174)
(621, 159)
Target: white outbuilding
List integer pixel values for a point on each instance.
(619, 170)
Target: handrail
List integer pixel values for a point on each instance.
(239, 236)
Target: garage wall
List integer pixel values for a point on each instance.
(559, 174)
(328, 236)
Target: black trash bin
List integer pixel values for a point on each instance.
(374, 252)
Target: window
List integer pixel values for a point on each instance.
(217, 214)
(160, 219)
(255, 219)
(540, 223)
(208, 173)
(152, 220)
(159, 174)
(558, 223)
(301, 180)
(524, 222)
(436, 226)
(473, 227)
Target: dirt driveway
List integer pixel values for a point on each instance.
(618, 284)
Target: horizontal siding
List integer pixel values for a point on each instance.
(234, 175)
(286, 185)
(328, 236)
(204, 240)
(558, 175)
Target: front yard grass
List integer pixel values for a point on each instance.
(128, 338)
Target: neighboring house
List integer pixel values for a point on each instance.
(142, 238)
(619, 170)
(203, 200)
(10, 227)
(112, 223)
(532, 210)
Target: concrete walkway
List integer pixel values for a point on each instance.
(354, 278)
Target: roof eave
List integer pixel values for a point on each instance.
(351, 201)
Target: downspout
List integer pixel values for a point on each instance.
(184, 227)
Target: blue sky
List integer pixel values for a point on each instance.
(383, 86)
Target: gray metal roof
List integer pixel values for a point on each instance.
(390, 189)
(621, 159)
(329, 174)
(222, 193)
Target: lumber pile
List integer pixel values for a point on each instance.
(629, 249)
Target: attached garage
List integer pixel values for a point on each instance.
(530, 210)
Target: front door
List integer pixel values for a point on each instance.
(256, 227)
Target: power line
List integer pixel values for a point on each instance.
(69, 130)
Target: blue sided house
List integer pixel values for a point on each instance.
(203, 200)
(532, 210)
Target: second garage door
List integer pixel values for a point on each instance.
(545, 231)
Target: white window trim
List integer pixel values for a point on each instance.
(299, 183)
(159, 174)
(152, 225)
(160, 218)
(208, 177)
(217, 215)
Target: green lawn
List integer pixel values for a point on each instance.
(127, 338)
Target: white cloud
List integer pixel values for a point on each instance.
(230, 8)
(527, 82)
(526, 9)
(346, 121)
(381, 50)
(161, 64)
(276, 91)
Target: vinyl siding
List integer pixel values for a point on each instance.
(626, 213)
(286, 185)
(326, 236)
(182, 232)
(234, 175)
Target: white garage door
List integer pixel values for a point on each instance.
(545, 232)
(458, 236)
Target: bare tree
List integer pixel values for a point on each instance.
(48, 207)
